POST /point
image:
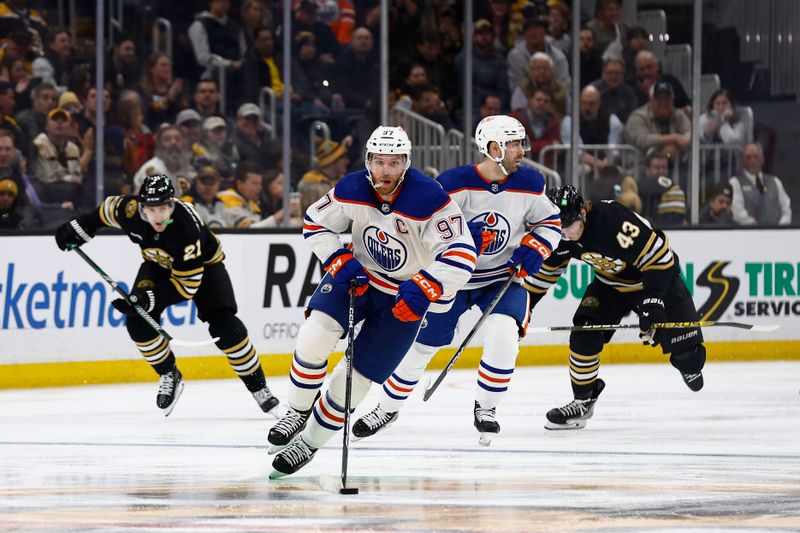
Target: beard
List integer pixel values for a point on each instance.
(175, 159)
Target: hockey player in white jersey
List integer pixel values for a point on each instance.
(411, 252)
(507, 204)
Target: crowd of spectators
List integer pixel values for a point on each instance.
(225, 157)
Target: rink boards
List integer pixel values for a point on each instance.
(57, 326)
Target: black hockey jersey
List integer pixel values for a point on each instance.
(624, 250)
(183, 248)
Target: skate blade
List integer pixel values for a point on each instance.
(167, 410)
(277, 474)
(486, 439)
(577, 424)
(277, 412)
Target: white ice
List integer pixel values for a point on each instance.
(655, 457)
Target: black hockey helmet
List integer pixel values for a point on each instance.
(156, 189)
(569, 202)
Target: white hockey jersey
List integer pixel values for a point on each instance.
(420, 229)
(510, 208)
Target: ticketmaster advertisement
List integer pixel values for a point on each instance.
(55, 308)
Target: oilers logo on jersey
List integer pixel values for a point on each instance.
(387, 251)
(499, 225)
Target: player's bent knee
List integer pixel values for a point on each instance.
(223, 323)
(317, 337)
(691, 360)
(338, 386)
(501, 342)
(586, 342)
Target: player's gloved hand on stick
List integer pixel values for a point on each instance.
(651, 312)
(71, 234)
(415, 296)
(531, 253)
(145, 299)
(482, 239)
(344, 267)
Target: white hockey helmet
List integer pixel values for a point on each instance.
(501, 129)
(388, 140)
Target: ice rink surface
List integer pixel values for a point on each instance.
(655, 457)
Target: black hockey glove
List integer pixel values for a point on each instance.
(71, 234)
(143, 298)
(651, 311)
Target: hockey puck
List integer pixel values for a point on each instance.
(348, 490)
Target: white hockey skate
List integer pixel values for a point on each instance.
(486, 424)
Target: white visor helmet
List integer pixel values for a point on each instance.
(501, 129)
(388, 140)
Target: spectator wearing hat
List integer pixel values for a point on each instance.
(330, 166)
(190, 123)
(8, 103)
(534, 40)
(32, 120)
(488, 67)
(57, 158)
(162, 92)
(718, 209)
(203, 196)
(10, 217)
(69, 102)
(658, 125)
(251, 138)
(215, 149)
(172, 157)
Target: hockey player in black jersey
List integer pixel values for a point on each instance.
(636, 270)
(183, 260)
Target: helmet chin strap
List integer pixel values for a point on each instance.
(499, 161)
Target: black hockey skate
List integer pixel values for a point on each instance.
(693, 380)
(266, 401)
(373, 422)
(486, 424)
(292, 458)
(575, 414)
(288, 428)
(170, 387)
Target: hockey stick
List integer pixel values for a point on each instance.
(348, 393)
(141, 312)
(433, 386)
(663, 325)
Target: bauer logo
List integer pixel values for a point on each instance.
(387, 251)
(497, 224)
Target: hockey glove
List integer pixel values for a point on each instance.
(143, 298)
(482, 239)
(71, 234)
(415, 296)
(531, 253)
(651, 311)
(344, 267)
